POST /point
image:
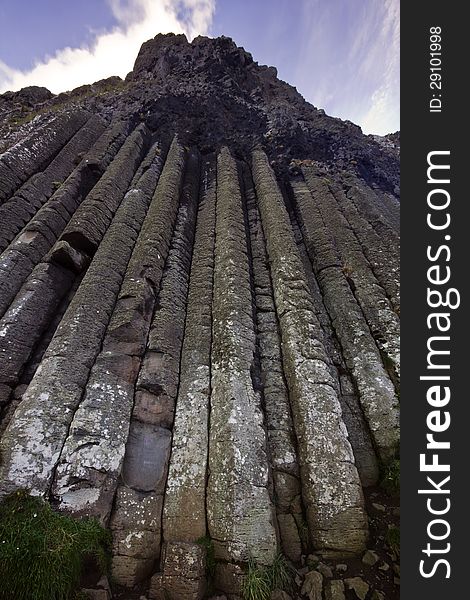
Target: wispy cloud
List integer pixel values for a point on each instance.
(348, 62)
(113, 52)
(382, 114)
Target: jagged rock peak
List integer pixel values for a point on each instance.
(173, 50)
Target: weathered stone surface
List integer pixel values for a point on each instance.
(92, 457)
(148, 447)
(383, 257)
(313, 585)
(370, 296)
(32, 154)
(275, 395)
(135, 520)
(358, 585)
(184, 574)
(185, 511)
(27, 318)
(334, 590)
(17, 211)
(34, 438)
(93, 217)
(229, 577)
(239, 510)
(325, 455)
(370, 558)
(147, 454)
(39, 235)
(376, 391)
(189, 352)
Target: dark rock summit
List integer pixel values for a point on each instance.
(199, 321)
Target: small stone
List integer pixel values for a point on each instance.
(384, 567)
(396, 580)
(370, 558)
(334, 590)
(279, 595)
(341, 568)
(97, 594)
(379, 507)
(325, 570)
(104, 584)
(376, 595)
(396, 569)
(313, 586)
(313, 559)
(358, 585)
(396, 512)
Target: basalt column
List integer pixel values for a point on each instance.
(136, 517)
(281, 435)
(91, 459)
(331, 488)
(239, 510)
(362, 356)
(34, 438)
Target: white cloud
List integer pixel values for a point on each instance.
(113, 52)
(382, 115)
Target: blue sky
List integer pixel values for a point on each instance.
(342, 55)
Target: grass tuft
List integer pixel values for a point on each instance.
(280, 573)
(392, 537)
(42, 552)
(261, 581)
(391, 478)
(207, 543)
(256, 584)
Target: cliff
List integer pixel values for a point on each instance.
(199, 317)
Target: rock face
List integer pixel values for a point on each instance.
(199, 316)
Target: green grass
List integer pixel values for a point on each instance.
(302, 526)
(260, 581)
(391, 478)
(207, 543)
(256, 584)
(42, 552)
(392, 537)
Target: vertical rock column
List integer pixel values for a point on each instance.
(159, 384)
(281, 436)
(40, 234)
(239, 510)
(382, 320)
(383, 258)
(136, 518)
(31, 311)
(368, 203)
(352, 415)
(33, 441)
(184, 517)
(17, 211)
(331, 487)
(185, 511)
(34, 153)
(376, 391)
(92, 456)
